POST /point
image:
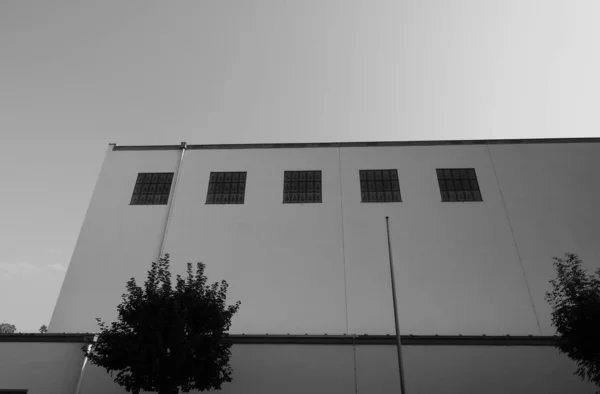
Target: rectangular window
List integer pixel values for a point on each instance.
(152, 188)
(226, 188)
(379, 186)
(302, 187)
(458, 184)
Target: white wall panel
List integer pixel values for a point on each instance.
(40, 367)
(117, 241)
(283, 261)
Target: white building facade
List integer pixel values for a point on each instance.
(299, 233)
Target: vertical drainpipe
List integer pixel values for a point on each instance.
(171, 202)
(80, 379)
(162, 244)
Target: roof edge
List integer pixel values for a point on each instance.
(266, 339)
(363, 144)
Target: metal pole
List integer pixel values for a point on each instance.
(398, 342)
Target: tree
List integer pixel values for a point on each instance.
(575, 302)
(6, 328)
(166, 339)
(43, 329)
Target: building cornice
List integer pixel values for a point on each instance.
(265, 339)
(361, 144)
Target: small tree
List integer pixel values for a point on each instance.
(166, 339)
(575, 302)
(6, 328)
(43, 329)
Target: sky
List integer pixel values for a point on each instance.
(77, 75)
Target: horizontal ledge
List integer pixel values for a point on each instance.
(409, 340)
(22, 337)
(362, 144)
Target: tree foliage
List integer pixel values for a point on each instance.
(166, 339)
(6, 328)
(43, 329)
(575, 302)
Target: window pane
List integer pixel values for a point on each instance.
(375, 185)
(227, 188)
(459, 183)
(301, 186)
(151, 186)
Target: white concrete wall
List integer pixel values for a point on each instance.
(330, 369)
(117, 241)
(493, 370)
(323, 268)
(455, 265)
(283, 261)
(552, 193)
(40, 367)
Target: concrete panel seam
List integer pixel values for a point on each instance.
(512, 232)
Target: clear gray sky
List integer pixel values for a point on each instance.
(76, 75)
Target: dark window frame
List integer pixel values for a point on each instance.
(303, 187)
(380, 186)
(152, 188)
(226, 188)
(458, 185)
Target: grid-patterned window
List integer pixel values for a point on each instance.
(226, 188)
(379, 186)
(152, 188)
(300, 187)
(458, 184)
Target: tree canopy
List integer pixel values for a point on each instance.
(168, 339)
(6, 328)
(575, 302)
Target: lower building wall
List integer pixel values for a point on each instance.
(373, 369)
(40, 367)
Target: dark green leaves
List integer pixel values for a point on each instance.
(169, 339)
(575, 302)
